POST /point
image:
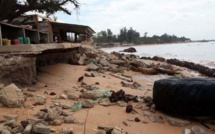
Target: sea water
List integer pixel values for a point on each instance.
(202, 53)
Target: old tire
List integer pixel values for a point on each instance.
(185, 97)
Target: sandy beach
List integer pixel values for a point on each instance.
(64, 77)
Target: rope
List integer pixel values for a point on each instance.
(85, 122)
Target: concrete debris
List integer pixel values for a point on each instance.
(11, 117)
(11, 96)
(156, 118)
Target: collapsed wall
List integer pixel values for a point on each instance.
(21, 67)
(17, 69)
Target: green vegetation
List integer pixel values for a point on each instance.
(11, 9)
(132, 36)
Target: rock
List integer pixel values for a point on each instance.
(63, 96)
(73, 95)
(80, 79)
(131, 119)
(105, 102)
(87, 104)
(147, 113)
(177, 122)
(67, 131)
(156, 118)
(149, 71)
(104, 62)
(137, 119)
(66, 105)
(95, 94)
(52, 94)
(88, 74)
(56, 122)
(24, 123)
(41, 100)
(41, 129)
(11, 117)
(187, 131)
(121, 103)
(10, 123)
(28, 129)
(147, 99)
(130, 50)
(82, 59)
(101, 132)
(1, 86)
(41, 114)
(118, 62)
(198, 130)
(69, 119)
(129, 109)
(11, 96)
(157, 58)
(108, 130)
(18, 129)
(92, 67)
(52, 115)
(5, 132)
(117, 130)
(125, 123)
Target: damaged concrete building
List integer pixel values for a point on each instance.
(39, 29)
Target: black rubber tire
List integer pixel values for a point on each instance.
(185, 97)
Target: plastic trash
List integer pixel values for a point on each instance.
(76, 107)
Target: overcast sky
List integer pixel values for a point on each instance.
(190, 18)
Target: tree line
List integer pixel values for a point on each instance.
(132, 36)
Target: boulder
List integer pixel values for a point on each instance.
(130, 50)
(11, 96)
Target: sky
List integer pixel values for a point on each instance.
(194, 19)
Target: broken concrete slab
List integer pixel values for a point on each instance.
(11, 96)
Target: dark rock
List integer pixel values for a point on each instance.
(80, 78)
(130, 50)
(157, 58)
(148, 99)
(24, 123)
(129, 109)
(52, 94)
(137, 119)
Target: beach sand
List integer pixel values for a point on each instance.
(56, 78)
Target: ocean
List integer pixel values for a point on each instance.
(202, 53)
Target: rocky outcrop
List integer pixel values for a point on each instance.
(130, 50)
